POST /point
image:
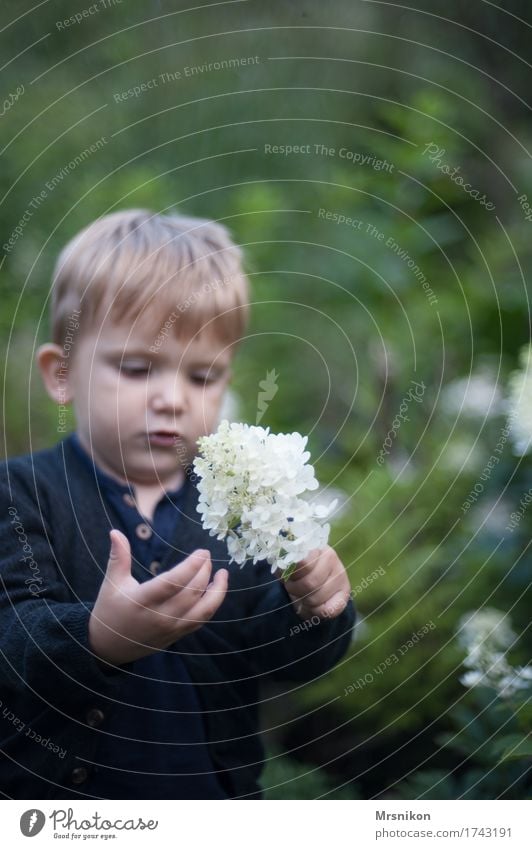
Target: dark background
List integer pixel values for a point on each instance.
(340, 315)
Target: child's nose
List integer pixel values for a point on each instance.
(169, 394)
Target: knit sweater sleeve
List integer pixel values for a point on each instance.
(43, 627)
(281, 645)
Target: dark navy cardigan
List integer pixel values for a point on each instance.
(54, 526)
(155, 744)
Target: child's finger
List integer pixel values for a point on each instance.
(306, 566)
(119, 563)
(187, 596)
(315, 597)
(195, 568)
(207, 605)
(311, 582)
(333, 607)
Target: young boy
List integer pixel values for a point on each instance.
(131, 652)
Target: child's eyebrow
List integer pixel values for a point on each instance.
(117, 346)
(137, 352)
(214, 366)
(122, 353)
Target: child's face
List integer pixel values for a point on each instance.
(140, 413)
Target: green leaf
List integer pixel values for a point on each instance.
(521, 747)
(506, 742)
(288, 571)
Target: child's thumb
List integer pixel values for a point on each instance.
(120, 556)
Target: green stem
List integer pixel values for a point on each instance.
(288, 571)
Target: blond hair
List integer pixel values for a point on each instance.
(137, 264)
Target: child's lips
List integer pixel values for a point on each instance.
(163, 438)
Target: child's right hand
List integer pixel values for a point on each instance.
(131, 619)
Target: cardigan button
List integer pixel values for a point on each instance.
(79, 775)
(94, 717)
(129, 500)
(155, 567)
(143, 531)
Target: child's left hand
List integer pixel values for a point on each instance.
(319, 585)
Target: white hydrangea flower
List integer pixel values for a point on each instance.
(519, 403)
(474, 396)
(487, 635)
(517, 679)
(486, 628)
(250, 488)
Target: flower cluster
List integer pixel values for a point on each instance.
(486, 635)
(250, 492)
(476, 395)
(520, 402)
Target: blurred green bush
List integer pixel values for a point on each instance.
(339, 313)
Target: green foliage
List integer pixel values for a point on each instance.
(342, 313)
(495, 757)
(515, 747)
(284, 778)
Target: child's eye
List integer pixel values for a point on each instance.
(134, 369)
(204, 379)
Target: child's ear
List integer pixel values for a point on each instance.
(54, 371)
